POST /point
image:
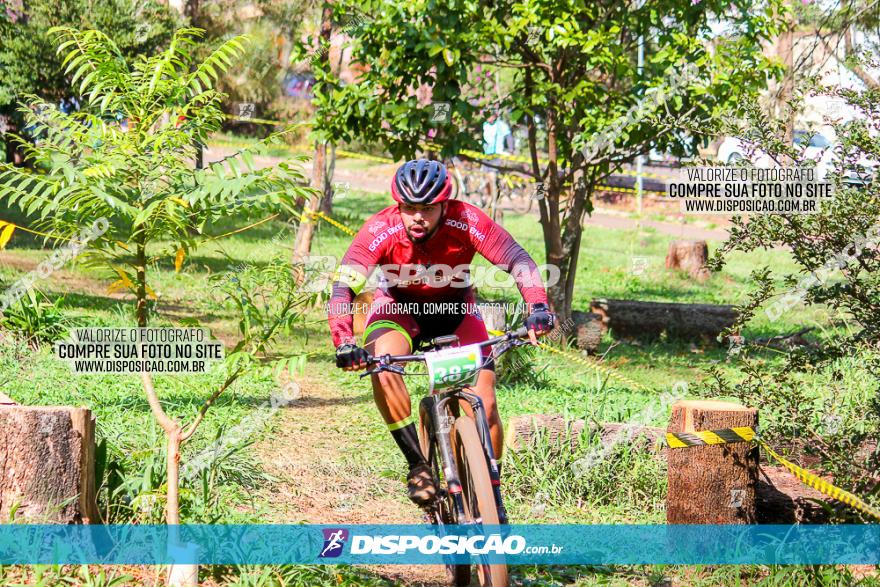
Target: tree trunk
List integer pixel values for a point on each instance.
(306, 229)
(47, 465)
(179, 575)
(689, 256)
(141, 308)
(14, 155)
(786, 55)
(711, 484)
(649, 320)
(327, 199)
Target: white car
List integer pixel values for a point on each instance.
(819, 149)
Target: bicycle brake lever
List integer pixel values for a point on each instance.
(393, 368)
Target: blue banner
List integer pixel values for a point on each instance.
(424, 544)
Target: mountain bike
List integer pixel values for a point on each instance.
(457, 445)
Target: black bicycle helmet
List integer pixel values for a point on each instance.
(421, 181)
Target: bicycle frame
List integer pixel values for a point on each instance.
(441, 407)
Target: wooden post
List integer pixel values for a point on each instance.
(711, 484)
(47, 465)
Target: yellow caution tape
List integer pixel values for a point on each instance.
(472, 154)
(710, 437)
(353, 155)
(609, 188)
(823, 486)
(333, 222)
(644, 174)
(256, 120)
(597, 367)
(591, 364)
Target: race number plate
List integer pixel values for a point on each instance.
(455, 367)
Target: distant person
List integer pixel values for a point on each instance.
(497, 140)
(497, 137)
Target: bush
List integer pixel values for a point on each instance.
(838, 258)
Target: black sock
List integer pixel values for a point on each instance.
(407, 439)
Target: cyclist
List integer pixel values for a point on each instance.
(410, 240)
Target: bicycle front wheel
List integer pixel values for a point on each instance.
(443, 512)
(476, 486)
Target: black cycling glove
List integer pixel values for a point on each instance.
(541, 319)
(349, 354)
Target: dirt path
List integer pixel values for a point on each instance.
(317, 484)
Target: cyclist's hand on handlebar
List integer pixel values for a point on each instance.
(351, 357)
(539, 322)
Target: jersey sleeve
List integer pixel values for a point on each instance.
(501, 249)
(351, 276)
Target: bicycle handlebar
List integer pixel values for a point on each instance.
(385, 361)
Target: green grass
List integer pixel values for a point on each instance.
(627, 486)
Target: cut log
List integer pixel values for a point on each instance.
(781, 498)
(362, 303)
(523, 431)
(711, 484)
(588, 330)
(47, 465)
(649, 320)
(689, 256)
(494, 315)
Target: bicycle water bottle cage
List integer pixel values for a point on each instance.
(442, 342)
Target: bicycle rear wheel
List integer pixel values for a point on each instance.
(476, 485)
(458, 187)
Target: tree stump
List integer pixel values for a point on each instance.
(689, 256)
(588, 330)
(47, 465)
(494, 315)
(362, 303)
(711, 484)
(649, 320)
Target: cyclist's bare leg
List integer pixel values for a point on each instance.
(389, 389)
(485, 389)
(392, 399)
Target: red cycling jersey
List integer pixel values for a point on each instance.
(431, 271)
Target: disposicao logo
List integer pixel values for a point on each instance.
(334, 542)
(473, 545)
